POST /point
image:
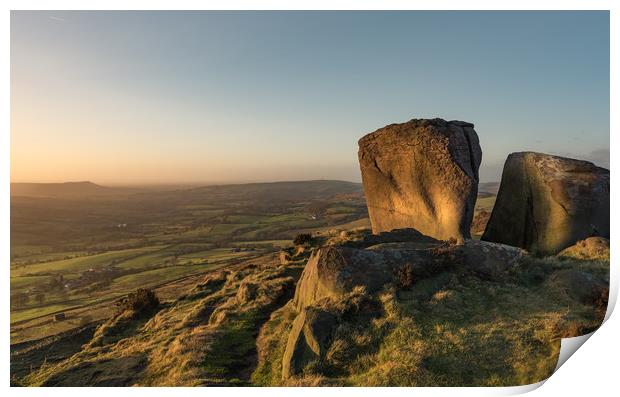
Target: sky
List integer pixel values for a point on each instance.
(215, 97)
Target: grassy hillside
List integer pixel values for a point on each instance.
(75, 250)
(222, 263)
(230, 327)
(105, 246)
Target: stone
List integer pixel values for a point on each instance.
(308, 340)
(399, 236)
(422, 174)
(547, 203)
(336, 271)
(488, 261)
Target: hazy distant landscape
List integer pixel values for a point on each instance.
(77, 247)
(223, 266)
(105, 242)
(79, 244)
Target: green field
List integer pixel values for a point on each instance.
(79, 264)
(67, 252)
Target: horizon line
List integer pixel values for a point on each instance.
(200, 184)
(204, 183)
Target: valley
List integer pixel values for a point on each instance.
(72, 252)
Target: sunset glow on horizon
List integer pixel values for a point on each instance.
(217, 97)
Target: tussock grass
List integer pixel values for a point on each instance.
(206, 337)
(452, 329)
(449, 329)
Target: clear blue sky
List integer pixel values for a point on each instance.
(177, 97)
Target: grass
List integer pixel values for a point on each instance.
(485, 203)
(274, 243)
(156, 276)
(201, 227)
(450, 329)
(447, 330)
(478, 341)
(47, 256)
(215, 255)
(233, 347)
(205, 337)
(144, 275)
(342, 209)
(271, 344)
(80, 263)
(149, 259)
(38, 311)
(18, 283)
(148, 266)
(245, 219)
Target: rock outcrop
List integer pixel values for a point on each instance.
(422, 174)
(337, 278)
(547, 203)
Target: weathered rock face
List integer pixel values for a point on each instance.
(422, 174)
(547, 203)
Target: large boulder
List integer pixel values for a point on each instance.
(547, 203)
(422, 174)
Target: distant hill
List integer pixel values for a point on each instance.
(290, 190)
(66, 189)
(278, 190)
(490, 188)
(260, 193)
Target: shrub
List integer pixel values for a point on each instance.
(302, 239)
(141, 301)
(404, 276)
